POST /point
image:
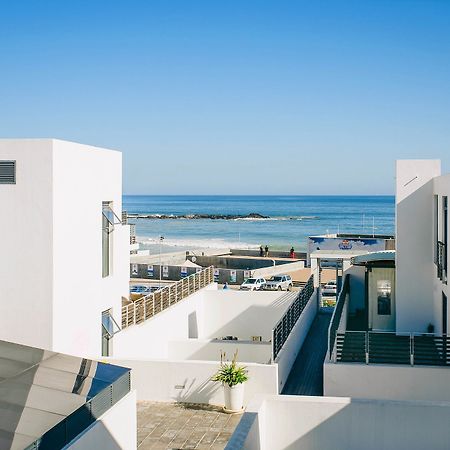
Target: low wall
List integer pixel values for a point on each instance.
(383, 381)
(267, 272)
(330, 423)
(190, 381)
(209, 350)
(291, 348)
(273, 253)
(114, 430)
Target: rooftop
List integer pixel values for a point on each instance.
(48, 398)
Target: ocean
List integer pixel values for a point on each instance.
(291, 219)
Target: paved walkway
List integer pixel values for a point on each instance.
(306, 377)
(183, 426)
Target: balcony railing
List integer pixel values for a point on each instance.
(146, 307)
(337, 314)
(441, 261)
(372, 347)
(284, 326)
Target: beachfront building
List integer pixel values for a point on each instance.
(386, 372)
(64, 261)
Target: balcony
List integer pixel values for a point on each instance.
(441, 261)
(371, 347)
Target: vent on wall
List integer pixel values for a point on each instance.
(7, 172)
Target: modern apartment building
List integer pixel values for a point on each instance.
(64, 260)
(387, 369)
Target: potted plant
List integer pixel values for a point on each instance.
(232, 378)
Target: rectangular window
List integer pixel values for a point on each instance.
(7, 172)
(109, 329)
(107, 228)
(445, 236)
(436, 228)
(384, 291)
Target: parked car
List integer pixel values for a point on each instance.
(252, 284)
(279, 283)
(330, 288)
(139, 289)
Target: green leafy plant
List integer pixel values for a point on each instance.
(229, 372)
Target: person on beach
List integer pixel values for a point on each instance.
(267, 251)
(292, 253)
(225, 286)
(261, 250)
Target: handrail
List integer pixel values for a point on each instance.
(337, 313)
(155, 302)
(441, 261)
(388, 347)
(284, 326)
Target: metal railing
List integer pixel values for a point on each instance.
(441, 261)
(77, 422)
(373, 347)
(337, 313)
(146, 307)
(284, 326)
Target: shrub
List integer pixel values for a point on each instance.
(229, 372)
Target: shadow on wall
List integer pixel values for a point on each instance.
(253, 321)
(414, 267)
(193, 392)
(193, 325)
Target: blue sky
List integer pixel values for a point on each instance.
(234, 97)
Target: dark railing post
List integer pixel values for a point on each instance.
(411, 349)
(367, 346)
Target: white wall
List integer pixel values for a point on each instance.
(84, 176)
(415, 269)
(190, 381)
(51, 288)
(26, 254)
(294, 343)
(329, 423)
(215, 313)
(150, 339)
(114, 430)
(210, 350)
(242, 314)
(441, 188)
(383, 381)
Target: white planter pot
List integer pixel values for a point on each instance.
(234, 397)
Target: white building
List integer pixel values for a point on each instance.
(387, 370)
(64, 261)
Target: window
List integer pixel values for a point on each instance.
(384, 291)
(107, 228)
(445, 236)
(436, 228)
(7, 172)
(109, 329)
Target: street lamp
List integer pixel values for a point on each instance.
(161, 239)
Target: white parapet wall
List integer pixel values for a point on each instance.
(207, 314)
(210, 350)
(383, 381)
(190, 381)
(330, 423)
(291, 348)
(114, 430)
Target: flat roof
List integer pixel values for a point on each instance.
(386, 255)
(48, 398)
(336, 254)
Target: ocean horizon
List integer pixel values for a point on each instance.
(291, 219)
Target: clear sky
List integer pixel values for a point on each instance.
(234, 97)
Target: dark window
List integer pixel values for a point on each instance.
(384, 291)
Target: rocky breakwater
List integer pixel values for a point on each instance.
(254, 216)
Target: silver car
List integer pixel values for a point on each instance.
(252, 284)
(279, 283)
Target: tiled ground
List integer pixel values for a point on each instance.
(183, 426)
